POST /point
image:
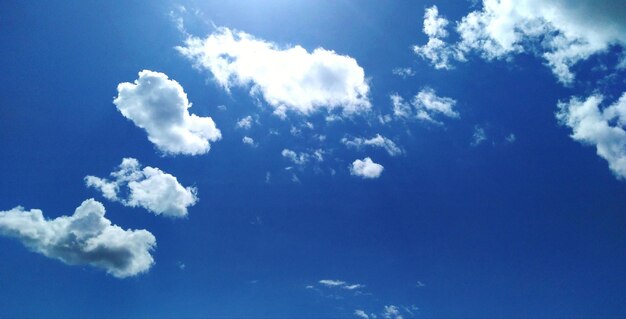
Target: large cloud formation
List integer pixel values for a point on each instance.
(562, 32)
(149, 188)
(604, 128)
(160, 106)
(289, 79)
(85, 238)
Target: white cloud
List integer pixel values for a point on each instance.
(361, 314)
(425, 106)
(245, 123)
(296, 158)
(366, 168)
(561, 32)
(511, 138)
(330, 283)
(149, 188)
(248, 141)
(160, 107)
(392, 312)
(376, 141)
(478, 136)
(84, 238)
(288, 78)
(437, 50)
(603, 128)
(403, 72)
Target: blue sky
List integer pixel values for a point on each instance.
(313, 159)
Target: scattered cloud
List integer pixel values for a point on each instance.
(249, 141)
(245, 123)
(150, 188)
(296, 158)
(84, 238)
(340, 284)
(511, 138)
(376, 141)
(436, 49)
(160, 107)
(506, 27)
(602, 127)
(425, 106)
(392, 312)
(479, 136)
(366, 168)
(403, 72)
(288, 78)
(362, 314)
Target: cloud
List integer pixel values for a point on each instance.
(392, 312)
(248, 141)
(362, 314)
(288, 78)
(366, 168)
(403, 72)
(376, 141)
(150, 188)
(340, 284)
(296, 158)
(561, 32)
(160, 107)
(436, 49)
(245, 122)
(425, 106)
(602, 127)
(511, 138)
(479, 136)
(84, 238)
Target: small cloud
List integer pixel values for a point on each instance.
(376, 141)
(511, 138)
(296, 158)
(366, 168)
(403, 72)
(245, 123)
(249, 141)
(479, 136)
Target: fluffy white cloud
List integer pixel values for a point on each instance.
(403, 72)
(366, 168)
(245, 123)
(426, 106)
(392, 312)
(296, 158)
(604, 128)
(84, 238)
(149, 188)
(563, 32)
(288, 78)
(361, 314)
(376, 141)
(160, 107)
(248, 141)
(436, 49)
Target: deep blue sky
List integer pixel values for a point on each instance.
(533, 228)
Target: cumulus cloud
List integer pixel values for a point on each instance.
(245, 123)
(296, 158)
(248, 141)
(603, 128)
(561, 32)
(160, 107)
(150, 188)
(362, 314)
(366, 168)
(392, 312)
(425, 106)
(436, 49)
(403, 72)
(288, 78)
(376, 141)
(84, 238)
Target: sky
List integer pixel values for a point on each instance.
(313, 159)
